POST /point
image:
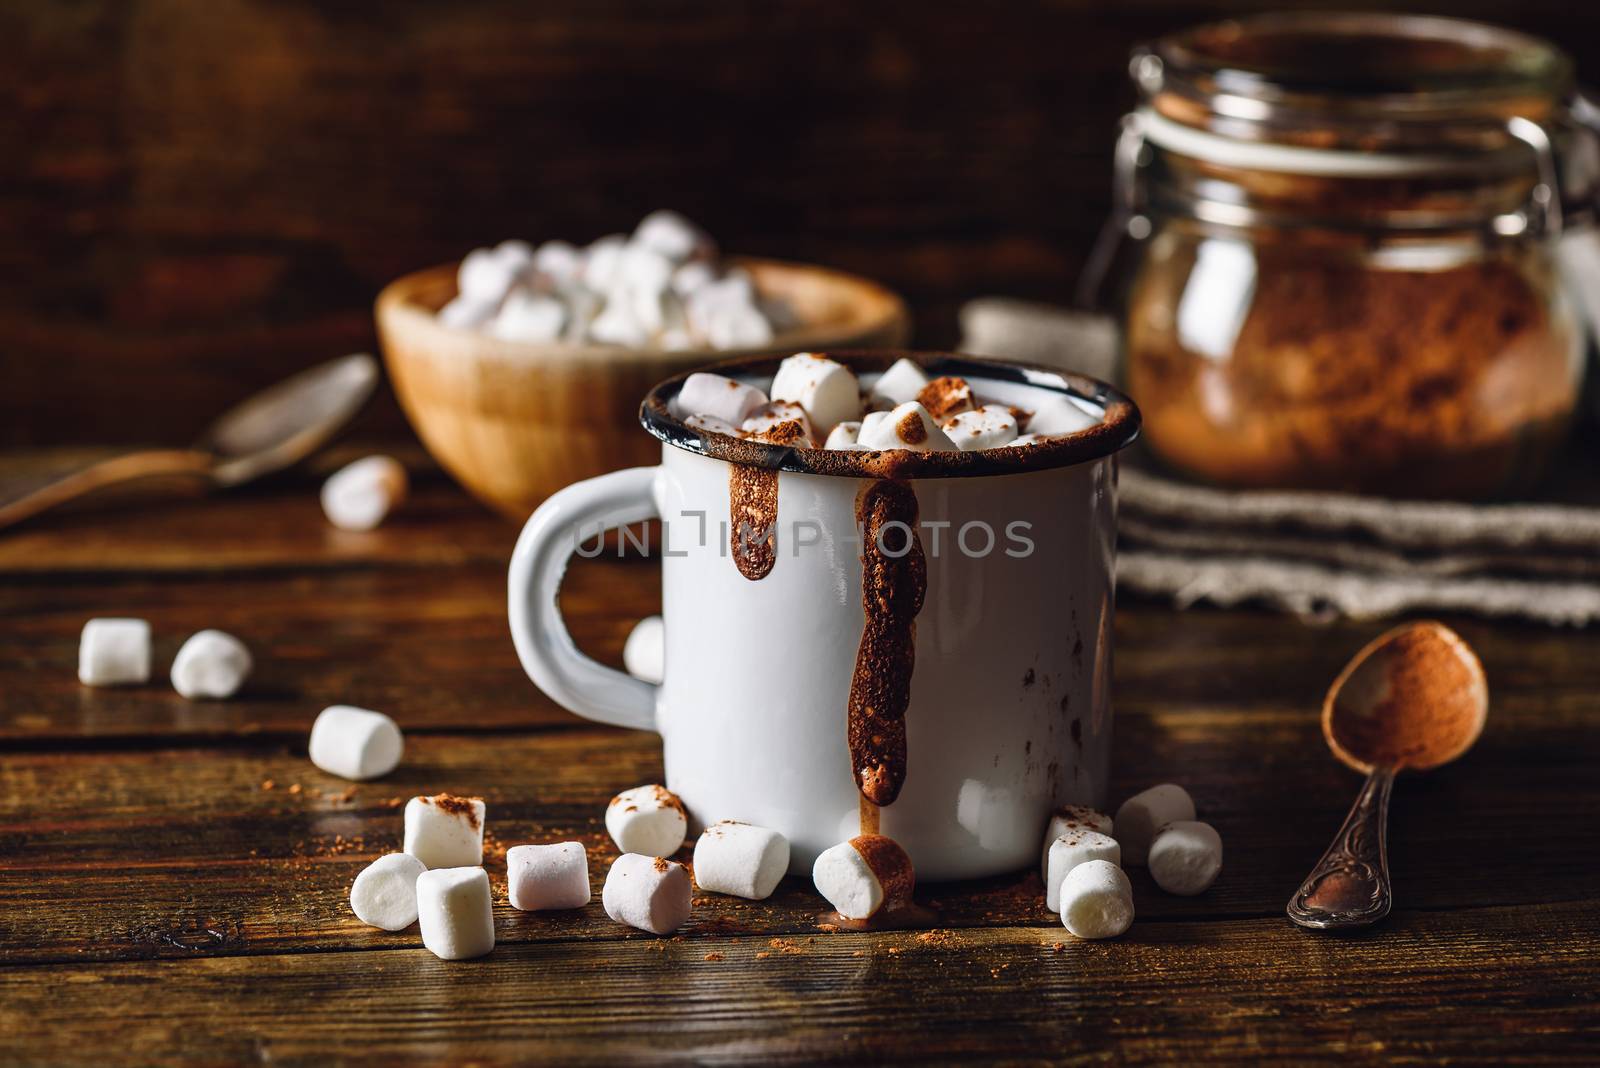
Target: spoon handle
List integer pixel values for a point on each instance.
(120, 469)
(1349, 887)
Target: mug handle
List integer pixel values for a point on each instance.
(581, 511)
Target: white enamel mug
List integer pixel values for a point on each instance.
(1009, 713)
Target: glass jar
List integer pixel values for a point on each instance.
(1346, 235)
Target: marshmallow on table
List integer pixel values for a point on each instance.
(385, 893)
(651, 893)
(826, 389)
(1071, 818)
(531, 317)
(1185, 857)
(1075, 847)
(864, 875)
(719, 397)
(1143, 814)
(1096, 900)
(212, 663)
(548, 876)
(900, 383)
(114, 652)
(355, 743)
(644, 654)
(988, 427)
(781, 423)
(358, 496)
(946, 397)
(648, 820)
(908, 427)
(445, 831)
(456, 912)
(843, 436)
(740, 859)
(1059, 415)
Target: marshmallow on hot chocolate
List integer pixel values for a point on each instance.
(1059, 415)
(1145, 813)
(1185, 857)
(355, 743)
(864, 875)
(907, 427)
(843, 436)
(1074, 847)
(644, 654)
(826, 389)
(456, 912)
(988, 427)
(651, 893)
(359, 495)
(114, 652)
(946, 397)
(1096, 900)
(712, 424)
(740, 859)
(719, 397)
(445, 831)
(385, 892)
(212, 663)
(780, 423)
(648, 820)
(900, 383)
(547, 876)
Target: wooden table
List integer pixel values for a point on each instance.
(173, 874)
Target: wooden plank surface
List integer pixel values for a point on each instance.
(161, 902)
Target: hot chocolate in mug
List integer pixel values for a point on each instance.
(917, 644)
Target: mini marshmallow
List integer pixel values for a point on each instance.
(385, 893)
(1185, 857)
(114, 652)
(529, 317)
(464, 313)
(359, 495)
(456, 912)
(548, 876)
(946, 397)
(719, 397)
(1026, 439)
(712, 424)
(616, 325)
(1059, 415)
(691, 277)
(900, 383)
(212, 663)
(988, 427)
(601, 260)
(673, 236)
(648, 820)
(864, 875)
(736, 327)
(445, 831)
(826, 389)
(644, 654)
(781, 423)
(516, 255)
(651, 893)
(843, 436)
(1096, 900)
(355, 743)
(1071, 818)
(908, 427)
(1076, 847)
(485, 276)
(740, 859)
(1143, 814)
(558, 261)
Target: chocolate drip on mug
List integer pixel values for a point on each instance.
(894, 577)
(753, 515)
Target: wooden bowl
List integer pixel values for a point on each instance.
(515, 421)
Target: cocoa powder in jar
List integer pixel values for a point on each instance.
(1347, 375)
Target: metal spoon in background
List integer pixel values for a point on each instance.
(1413, 698)
(275, 428)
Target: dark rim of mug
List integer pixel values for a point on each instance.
(1118, 428)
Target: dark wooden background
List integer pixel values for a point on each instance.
(197, 197)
